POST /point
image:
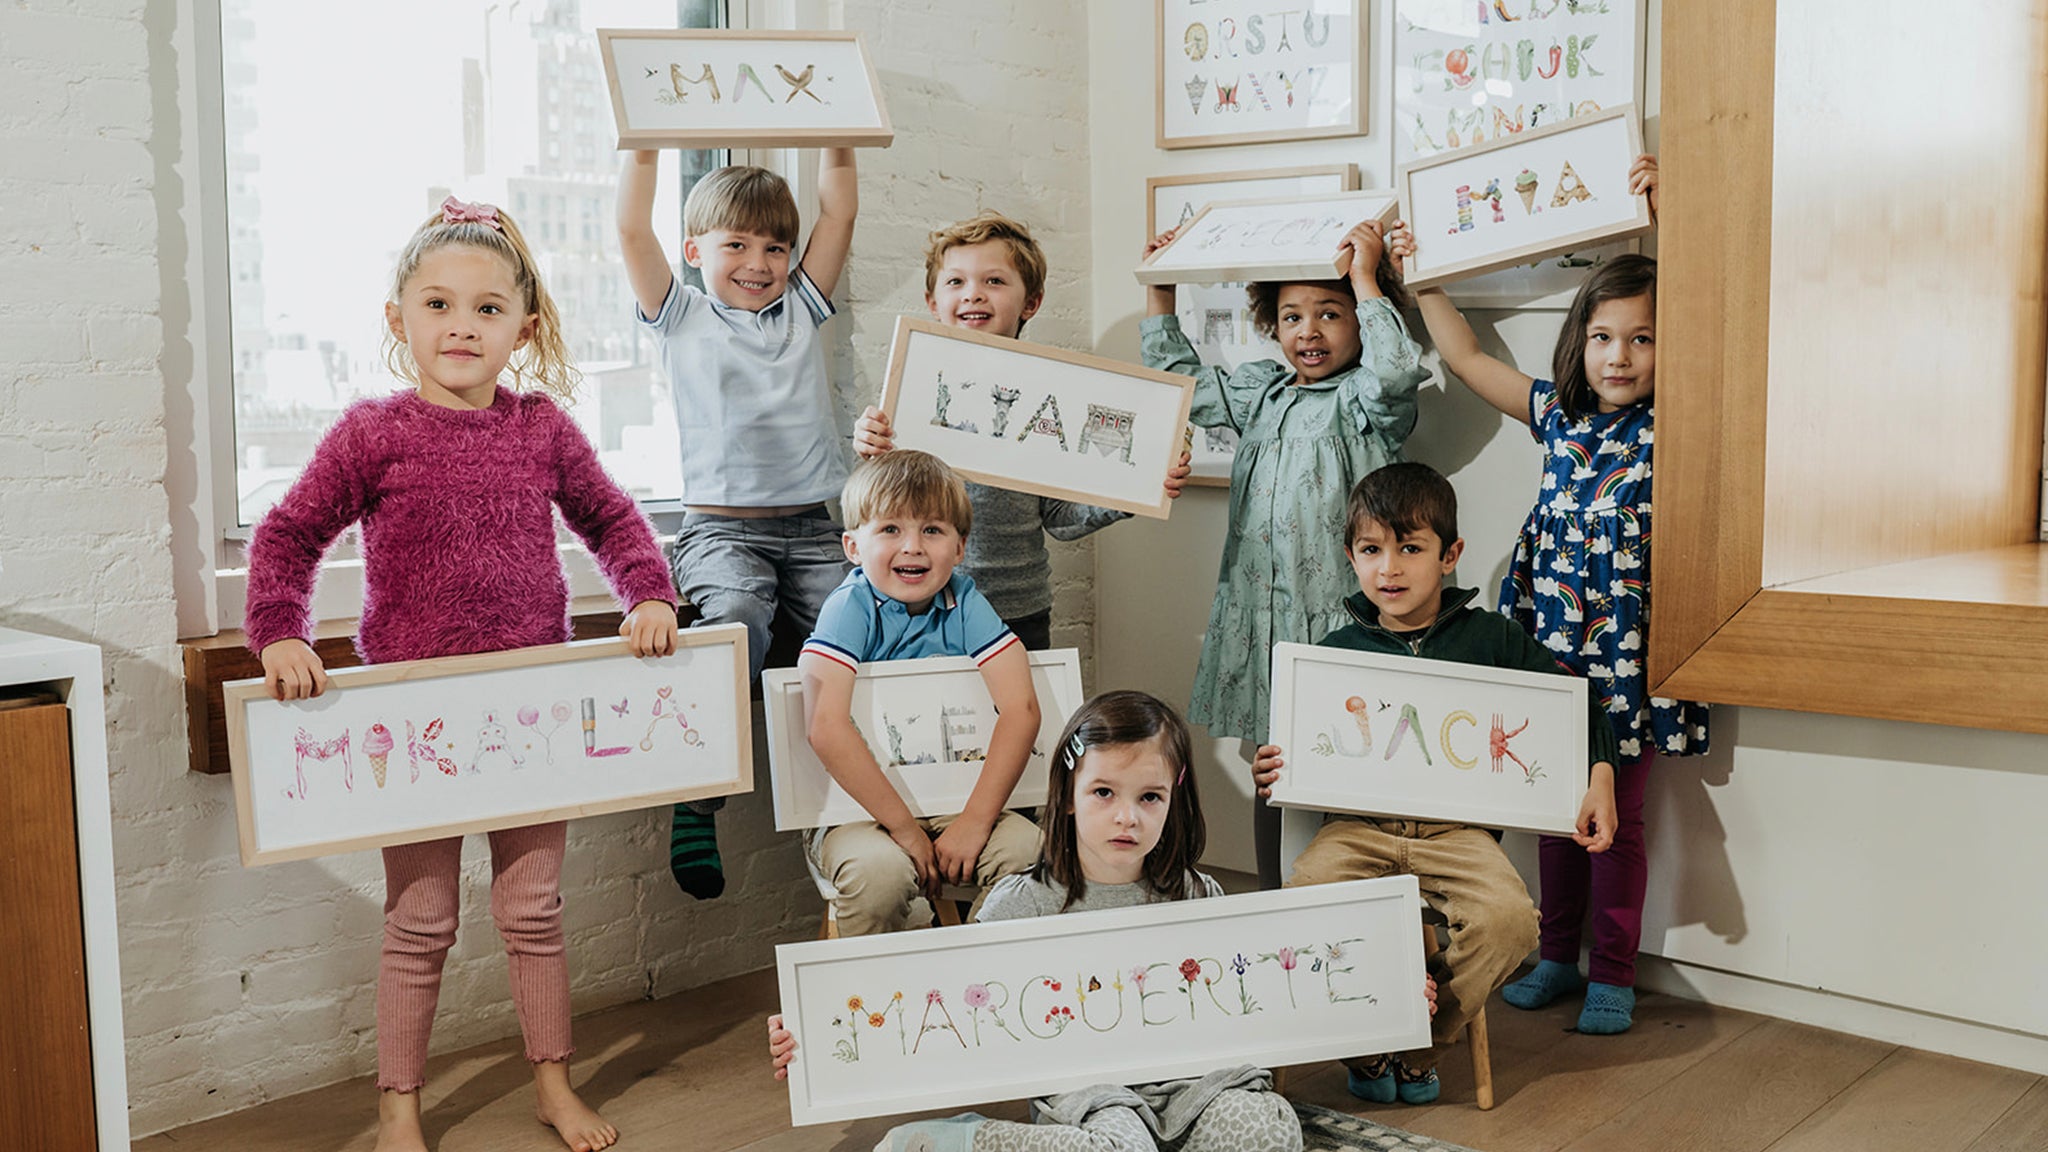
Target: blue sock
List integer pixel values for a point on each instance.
(1372, 1081)
(1609, 1010)
(1415, 1085)
(952, 1134)
(1543, 986)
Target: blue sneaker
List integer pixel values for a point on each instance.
(1415, 1086)
(952, 1134)
(1609, 1010)
(1372, 1081)
(1545, 985)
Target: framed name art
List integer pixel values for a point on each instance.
(1290, 238)
(927, 722)
(918, 1020)
(1383, 735)
(1037, 419)
(732, 88)
(419, 750)
(1246, 71)
(1508, 201)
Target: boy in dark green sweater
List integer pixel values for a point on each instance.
(1402, 525)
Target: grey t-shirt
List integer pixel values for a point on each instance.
(1019, 897)
(1006, 551)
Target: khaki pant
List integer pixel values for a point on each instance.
(1464, 876)
(877, 884)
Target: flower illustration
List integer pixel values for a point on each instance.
(1190, 970)
(932, 997)
(1287, 959)
(1336, 951)
(977, 996)
(1138, 978)
(1239, 964)
(853, 1003)
(875, 1019)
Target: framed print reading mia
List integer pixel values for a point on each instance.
(916, 1020)
(1247, 71)
(735, 88)
(419, 750)
(1038, 419)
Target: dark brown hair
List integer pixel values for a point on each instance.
(1264, 295)
(1622, 278)
(1108, 720)
(1405, 497)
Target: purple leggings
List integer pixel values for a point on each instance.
(1611, 884)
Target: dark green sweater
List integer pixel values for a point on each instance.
(1466, 635)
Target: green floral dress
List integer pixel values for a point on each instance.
(1300, 449)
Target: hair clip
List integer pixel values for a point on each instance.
(1075, 748)
(454, 211)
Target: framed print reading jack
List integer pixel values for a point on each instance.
(1245, 71)
(1038, 419)
(732, 88)
(423, 749)
(916, 1020)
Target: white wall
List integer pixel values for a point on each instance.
(1876, 877)
(243, 985)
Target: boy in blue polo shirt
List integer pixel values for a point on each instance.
(762, 450)
(907, 517)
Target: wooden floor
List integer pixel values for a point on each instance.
(690, 1073)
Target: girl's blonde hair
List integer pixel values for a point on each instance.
(906, 482)
(544, 361)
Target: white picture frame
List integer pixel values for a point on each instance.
(1425, 730)
(434, 748)
(696, 88)
(1003, 417)
(1553, 189)
(1217, 318)
(1282, 238)
(1499, 88)
(940, 700)
(1028, 1031)
(1286, 81)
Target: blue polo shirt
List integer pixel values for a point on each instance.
(754, 411)
(858, 624)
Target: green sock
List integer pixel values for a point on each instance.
(693, 853)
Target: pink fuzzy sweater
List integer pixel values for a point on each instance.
(458, 529)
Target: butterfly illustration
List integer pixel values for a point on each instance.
(620, 707)
(1094, 985)
(650, 71)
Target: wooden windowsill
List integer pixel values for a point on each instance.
(2016, 576)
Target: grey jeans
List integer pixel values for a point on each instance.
(736, 570)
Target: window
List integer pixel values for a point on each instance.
(339, 137)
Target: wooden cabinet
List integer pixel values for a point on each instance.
(46, 1096)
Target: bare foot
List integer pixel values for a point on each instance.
(558, 1107)
(398, 1123)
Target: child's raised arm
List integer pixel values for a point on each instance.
(1008, 676)
(1500, 384)
(646, 264)
(1159, 298)
(832, 234)
(828, 720)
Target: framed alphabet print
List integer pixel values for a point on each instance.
(918, 1020)
(419, 750)
(1508, 201)
(1386, 735)
(926, 721)
(732, 88)
(1241, 72)
(1037, 419)
(1216, 317)
(1290, 238)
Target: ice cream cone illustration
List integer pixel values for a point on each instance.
(377, 744)
(1525, 186)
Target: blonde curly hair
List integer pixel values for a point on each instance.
(544, 361)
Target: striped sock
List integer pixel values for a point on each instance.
(693, 853)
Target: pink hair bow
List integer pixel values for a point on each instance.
(454, 211)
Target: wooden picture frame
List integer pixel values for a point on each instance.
(693, 88)
(1289, 82)
(1130, 432)
(938, 699)
(1594, 56)
(1571, 179)
(1216, 317)
(1283, 238)
(473, 743)
(1382, 735)
(917, 1020)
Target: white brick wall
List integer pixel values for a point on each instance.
(243, 985)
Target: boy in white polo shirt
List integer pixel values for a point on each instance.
(761, 449)
(907, 517)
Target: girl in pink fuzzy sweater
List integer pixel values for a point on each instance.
(455, 486)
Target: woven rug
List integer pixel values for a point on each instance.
(1326, 1131)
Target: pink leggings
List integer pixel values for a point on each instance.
(1611, 886)
(420, 914)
